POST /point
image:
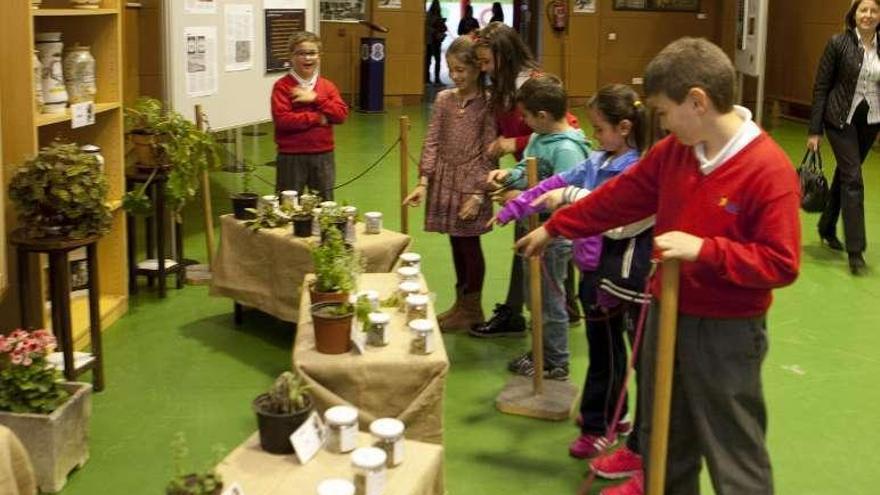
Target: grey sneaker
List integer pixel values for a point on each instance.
(559, 373)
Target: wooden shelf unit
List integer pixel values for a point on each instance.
(25, 131)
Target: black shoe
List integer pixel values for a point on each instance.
(857, 265)
(503, 322)
(832, 242)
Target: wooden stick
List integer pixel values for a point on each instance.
(404, 172)
(535, 292)
(663, 376)
(206, 198)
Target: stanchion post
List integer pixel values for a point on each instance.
(535, 295)
(206, 198)
(404, 172)
(663, 376)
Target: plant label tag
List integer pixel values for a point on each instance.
(359, 339)
(308, 439)
(235, 489)
(82, 114)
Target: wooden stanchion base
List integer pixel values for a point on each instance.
(555, 404)
(198, 275)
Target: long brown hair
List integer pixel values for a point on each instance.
(462, 48)
(511, 56)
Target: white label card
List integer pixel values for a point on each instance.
(308, 439)
(82, 114)
(234, 489)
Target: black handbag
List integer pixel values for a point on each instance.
(814, 186)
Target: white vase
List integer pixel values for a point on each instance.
(54, 93)
(79, 74)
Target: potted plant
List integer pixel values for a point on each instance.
(336, 267)
(165, 139)
(332, 323)
(308, 200)
(332, 217)
(51, 418)
(302, 221)
(280, 411)
(61, 192)
(187, 481)
(266, 217)
(245, 199)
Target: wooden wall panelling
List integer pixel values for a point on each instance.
(151, 53)
(131, 43)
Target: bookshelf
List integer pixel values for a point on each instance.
(24, 131)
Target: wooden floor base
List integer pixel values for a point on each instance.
(555, 404)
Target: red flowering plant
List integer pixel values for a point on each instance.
(28, 384)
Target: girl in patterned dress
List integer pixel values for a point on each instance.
(452, 179)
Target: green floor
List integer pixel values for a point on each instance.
(180, 364)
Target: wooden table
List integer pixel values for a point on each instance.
(385, 381)
(260, 473)
(59, 294)
(265, 269)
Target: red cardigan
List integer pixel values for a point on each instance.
(297, 126)
(746, 211)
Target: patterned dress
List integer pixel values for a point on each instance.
(455, 161)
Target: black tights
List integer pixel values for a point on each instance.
(470, 267)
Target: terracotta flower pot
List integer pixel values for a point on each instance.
(319, 297)
(147, 152)
(332, 331)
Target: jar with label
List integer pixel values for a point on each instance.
(411, 259)
(342, 427)
(336, 486)
(373, 222)
(377, 329)
(269, 201)
(289, 198)
(79, 74)
(54, 93)
(404, 289)
(38, 81)
(350, 213)
(423, 336)
(388, 436)
(316, 222)
(408, 274)
(369, 470)
(416, 307)
(95, 151)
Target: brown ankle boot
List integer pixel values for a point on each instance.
(470, 312)
(449, 312)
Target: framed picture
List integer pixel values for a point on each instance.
(79, 275)
(584, 7)
(343, 10)
(658, 5)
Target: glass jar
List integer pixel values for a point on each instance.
(377, 329)
(411, 259)
(316, 222)
(416, 307)
(342, 427)
(289, 198)
(94, 150)
(269, 201)
(388, 436)
(350, 213)
(373, 222)
(404, 290)
(38, 81)
(423, 337)
(79, 74)
(369, 470)
(51, 47)
(408, 274)
(372, 296)
(336, 486)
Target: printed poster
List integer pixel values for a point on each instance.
(239, 37)
(201, 6)
(388, 4)
(201, 60)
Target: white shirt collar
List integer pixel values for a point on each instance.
(307, 83)
(746, 133)
(873, 39)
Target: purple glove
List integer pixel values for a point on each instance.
(521, 205)
(585, 252)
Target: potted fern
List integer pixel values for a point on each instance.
(164, 139)
(245, 201)
(188, 481)
(280, 411)
(336, 267)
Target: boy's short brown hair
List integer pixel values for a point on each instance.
(692, 63)
(302, 37)
(544, 93)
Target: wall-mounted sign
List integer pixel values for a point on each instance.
(280, 24)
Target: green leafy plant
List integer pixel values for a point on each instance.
(186, 481)
(27, 383)
(308, 200)
(362, 310)
(266, 218)
(181, 145)
(336, 265)
(61, 192)
(288, 395)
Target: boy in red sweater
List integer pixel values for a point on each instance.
(304, 106)
(726, 201)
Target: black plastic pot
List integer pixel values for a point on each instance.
(241, 202)
(275, 429)
(302, 226)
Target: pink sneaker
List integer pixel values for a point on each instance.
(633, 486)
(624, 426)
(618, 464)
(587, 446)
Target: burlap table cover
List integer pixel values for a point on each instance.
(385, 381)
(265, 269)
(16, 472)
(259, 473)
